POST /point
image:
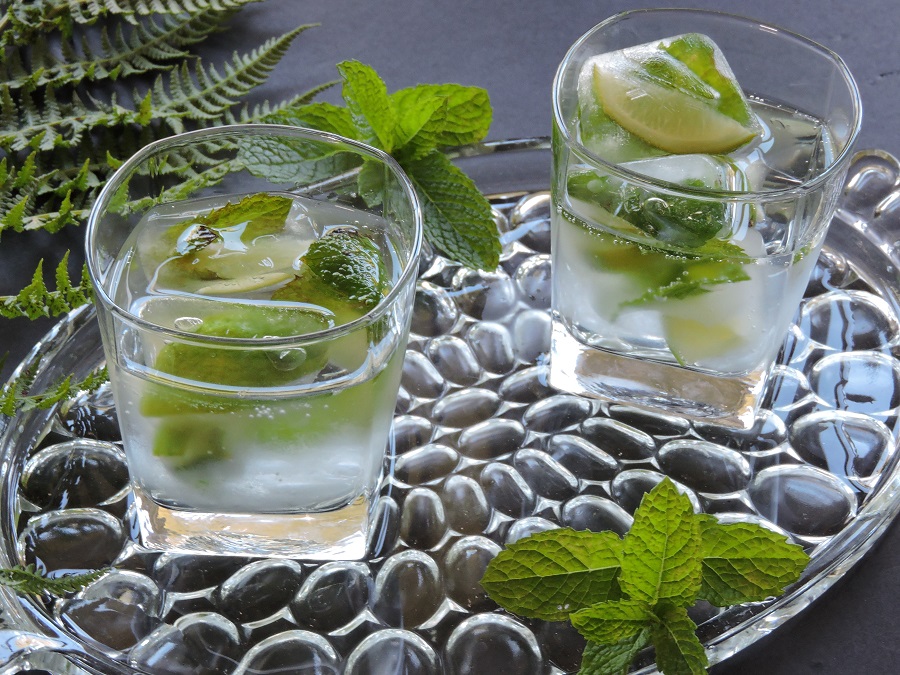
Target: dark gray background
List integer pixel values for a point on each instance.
(512, 49)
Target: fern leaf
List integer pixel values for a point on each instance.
(18, 188)
(148, 46)
(58, 125)
(52, 124)
(23, 20)
(28, 580)
(262, 112)
(208, 95)
(16, 395)
(36, 300)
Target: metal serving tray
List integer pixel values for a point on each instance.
(486, 453)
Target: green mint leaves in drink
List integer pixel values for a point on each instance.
(680, 221)
(343, 272)
(413, 125)
(690, 224)
(193, 248)
(627, 594)
(257, 215)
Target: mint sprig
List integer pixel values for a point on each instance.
(412, 125)
(626, 594)
(550, 574)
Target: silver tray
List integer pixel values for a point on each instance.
(486, 453)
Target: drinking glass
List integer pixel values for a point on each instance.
(656, 322)
(266, 436)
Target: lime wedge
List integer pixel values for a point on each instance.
(692, 341)
(679, 95)
(248, 367)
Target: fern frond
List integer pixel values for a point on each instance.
(31, 199)
(206, 96)
(35, 300)
(151, 45)
(16, 395)
(261, 112)
(23, 20)
(51, 124)
(29, 580)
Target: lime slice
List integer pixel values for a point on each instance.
(244, 284)
(693, 341)
(235, 367)
(187, 443)
(679, 95)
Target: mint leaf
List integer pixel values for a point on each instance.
(294, 160)
(698, 53)
(613, 659)
(661, 553)
(607, 623)
(458, 220)
(678, 650)
(411, 124)
(187, 248)
(551, 574)
(370, 108)
(743, 562)
(672, 74)
(415, 108)
(462, 117)
(343, 272)
(675, 220)
(322, 116)
(260, 214)
(695, 278)
(351, 264)
(371, 183)
(681, 221)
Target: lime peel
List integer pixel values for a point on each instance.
(678, 95)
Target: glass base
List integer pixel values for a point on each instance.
(730, 401)
(341, 534)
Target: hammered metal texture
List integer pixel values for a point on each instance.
(486, 453)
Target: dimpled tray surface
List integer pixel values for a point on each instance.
(486, 453)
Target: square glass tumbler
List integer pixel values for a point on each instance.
(645, 312)
(255, 397)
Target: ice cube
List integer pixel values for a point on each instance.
(713, 172)
(601, 134)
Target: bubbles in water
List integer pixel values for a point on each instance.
(188, 323)
(287, 360)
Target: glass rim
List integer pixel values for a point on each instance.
(410, 268)
(840, 161)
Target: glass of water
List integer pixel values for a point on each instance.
(254, 309)
(697, 158)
